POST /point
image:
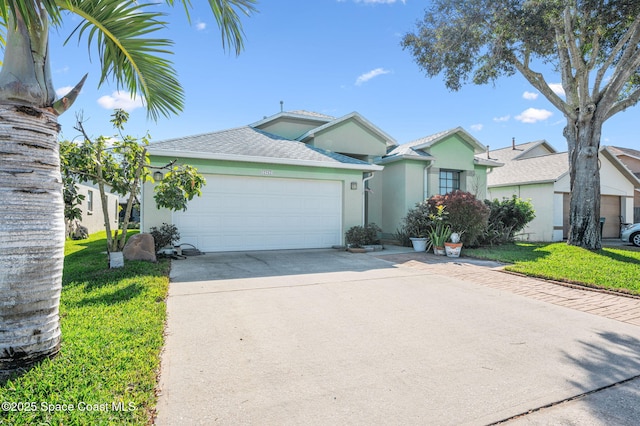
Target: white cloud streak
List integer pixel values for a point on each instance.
(120, 100)
(371, 74)
(533, 115)
(502, 119)
(477, 127)
(530, 96)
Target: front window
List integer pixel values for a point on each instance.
(90, 201)
(449, 181)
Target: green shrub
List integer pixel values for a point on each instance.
(417, 223)
(359, 236)
(506, 219)
(402, 237)
(466, 215)
(164, 236)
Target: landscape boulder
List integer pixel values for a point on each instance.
(140, 247)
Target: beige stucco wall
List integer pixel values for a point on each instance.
(93, 219)
(350, 137)
(544, 204)
(352, 208)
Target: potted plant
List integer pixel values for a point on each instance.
(438, 235)
(454, 247)
(440, 230)
(416, 226)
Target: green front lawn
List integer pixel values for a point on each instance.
(615, 269)
(112, 330)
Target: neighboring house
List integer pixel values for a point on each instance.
(537, 172)
(292, 180)
(91, 207)
(631, 159)
(417, 170)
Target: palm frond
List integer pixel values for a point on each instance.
(120, 31)
(32, 12)
(228, 17)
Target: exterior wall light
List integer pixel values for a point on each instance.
(354, 185)
(157, 176)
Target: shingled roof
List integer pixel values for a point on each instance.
(522, 169)
(248, 144)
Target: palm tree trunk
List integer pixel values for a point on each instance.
(31, 236)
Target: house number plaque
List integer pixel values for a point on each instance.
(267, 172)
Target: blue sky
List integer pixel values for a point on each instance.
(328, 56)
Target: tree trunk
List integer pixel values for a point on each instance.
(31, 236)
(583, 138)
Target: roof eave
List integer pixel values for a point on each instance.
(488, 163)
(393, 159)
(478, 147)
(264, 160)
(521, 183)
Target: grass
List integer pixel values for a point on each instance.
(615, 269)
(112, 332)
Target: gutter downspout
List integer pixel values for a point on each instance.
(364, 196)
(425, 185)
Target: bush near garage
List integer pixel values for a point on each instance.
(507, 217)
(360, 236)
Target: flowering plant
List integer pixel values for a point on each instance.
(440, 231)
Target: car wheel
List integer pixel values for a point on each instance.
(635, 239)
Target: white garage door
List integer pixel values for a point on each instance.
(254, 213)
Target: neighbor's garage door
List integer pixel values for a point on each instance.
(609, 209)
(255, 213)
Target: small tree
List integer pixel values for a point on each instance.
(123, 166)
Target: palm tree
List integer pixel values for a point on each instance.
(32, 222)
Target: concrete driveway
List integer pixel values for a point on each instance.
(327, 337)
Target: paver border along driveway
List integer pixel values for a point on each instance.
(328, 337)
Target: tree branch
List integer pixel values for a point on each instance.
(537, 80)
(627, 102)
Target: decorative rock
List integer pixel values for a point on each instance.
(140, 247)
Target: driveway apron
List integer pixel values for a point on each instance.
(327, 337)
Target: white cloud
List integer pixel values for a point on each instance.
(120, 100)
(533, 115)
(557, 88)
(371, 74)
(530, 96)
(502, 119)
(477, 127)
(61, 91)
(201, 26)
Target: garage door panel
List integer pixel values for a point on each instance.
(251, 213)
